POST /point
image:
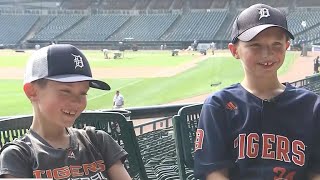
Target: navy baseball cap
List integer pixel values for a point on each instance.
(61, 63)
(256, 18)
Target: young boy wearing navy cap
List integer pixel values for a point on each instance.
(57, 80)
(260, 128)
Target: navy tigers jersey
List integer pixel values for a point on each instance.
(259, 139)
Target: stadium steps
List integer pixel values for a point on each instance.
(71, 27)
(227, 33)
(227, 23)
(171, 28)
(123, 27)
(42, 22)
(32, 31)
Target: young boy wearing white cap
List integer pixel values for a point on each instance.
(56, 82)
(259, 128)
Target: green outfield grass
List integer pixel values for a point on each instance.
(142, 91)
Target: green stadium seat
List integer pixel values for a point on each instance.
(185, 125)
(113, 123)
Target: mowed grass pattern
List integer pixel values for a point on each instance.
(142, 91)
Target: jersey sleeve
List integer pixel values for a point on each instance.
(15, 162)
(314, 165)
(212, 146)
(111, 150)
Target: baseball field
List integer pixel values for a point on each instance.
(143, 77)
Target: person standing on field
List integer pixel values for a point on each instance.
(118, 100)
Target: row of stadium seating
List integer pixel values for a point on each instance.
(146, 27)
(198, 25)
(14, 28)
(95, 28)
(163, 154)
(295, 19)
(149, 4)
(57, 26)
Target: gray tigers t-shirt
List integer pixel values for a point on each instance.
(32, 157)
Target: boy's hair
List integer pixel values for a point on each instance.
(61, 63)
(41, 82)
(256, 18)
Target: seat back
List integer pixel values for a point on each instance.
(113, 123)
(185, 125)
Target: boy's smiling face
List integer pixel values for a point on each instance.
(264, 54)
(59, 104)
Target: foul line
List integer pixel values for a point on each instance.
(98, 96)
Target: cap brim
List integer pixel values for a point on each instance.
(77, 78)
(252, 32)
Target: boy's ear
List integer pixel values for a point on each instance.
(288, 44)
(30, 91)
(234, 50)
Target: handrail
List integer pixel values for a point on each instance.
(154, 124)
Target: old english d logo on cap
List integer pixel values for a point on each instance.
(256, 18)
(264, 12)
(62, 63)
(78, 61)
(66, 59)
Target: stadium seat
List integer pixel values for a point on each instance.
(185, 124)
(113, 123)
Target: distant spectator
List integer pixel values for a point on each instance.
(105, 53)
(118, 100)
(212, 47)
(316, 65)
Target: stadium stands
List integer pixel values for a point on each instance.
(308, 3)
(145, 27)
(57, 27)
(95, 28)
(31, 4)
(15, 27)
(197, 25)
(295, 18)
(149, 22)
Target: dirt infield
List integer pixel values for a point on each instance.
(122, 72)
